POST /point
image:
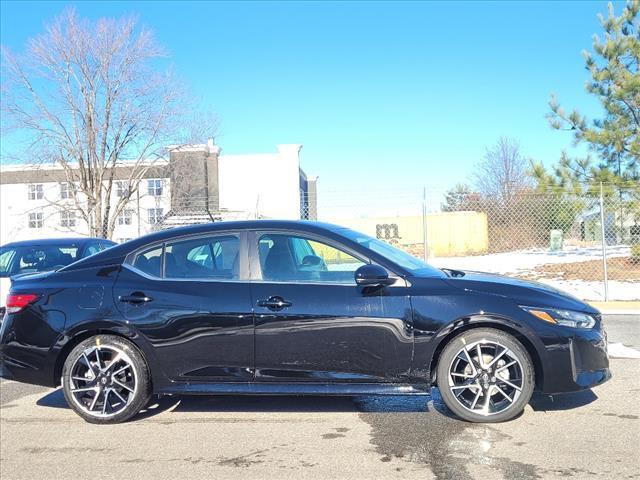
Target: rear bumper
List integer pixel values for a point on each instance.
(17, 369)
(25, 362)
(577, 363)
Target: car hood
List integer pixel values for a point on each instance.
(523, 292)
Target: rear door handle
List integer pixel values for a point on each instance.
(134, 298)
(274, 303)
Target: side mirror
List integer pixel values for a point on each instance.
(373, 276)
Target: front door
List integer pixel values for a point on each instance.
(190, 299)
(314, 324)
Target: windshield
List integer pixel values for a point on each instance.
(34, 258)
(399, 257)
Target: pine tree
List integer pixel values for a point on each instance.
(613, 138)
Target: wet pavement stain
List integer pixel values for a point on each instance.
(625, 417)
(421, 430)
(244, 460)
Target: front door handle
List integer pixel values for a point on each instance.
(274, 303)
(139, 298)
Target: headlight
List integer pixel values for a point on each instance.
(567, 318)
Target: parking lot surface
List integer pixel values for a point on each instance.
(591, 434)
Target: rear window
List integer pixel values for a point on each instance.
(32, 259)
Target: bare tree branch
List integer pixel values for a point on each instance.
(91, 97)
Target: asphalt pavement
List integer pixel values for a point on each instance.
(591, 434)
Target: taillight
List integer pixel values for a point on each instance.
(18, 301)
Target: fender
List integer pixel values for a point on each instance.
(425, 364)
(78, 332)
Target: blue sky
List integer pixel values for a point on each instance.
(388, 95)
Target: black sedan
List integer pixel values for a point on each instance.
(286, 307)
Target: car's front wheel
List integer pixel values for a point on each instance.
(485, 375)
(106, 379)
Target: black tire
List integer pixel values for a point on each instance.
(487, 398)
(125, 389)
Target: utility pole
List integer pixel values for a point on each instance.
(604, 246)
(425, 242)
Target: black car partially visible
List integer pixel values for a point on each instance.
(43, 255)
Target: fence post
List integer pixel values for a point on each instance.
(425, 242)
(604, 247)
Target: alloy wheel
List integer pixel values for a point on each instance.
(103, 380)
(485, 377)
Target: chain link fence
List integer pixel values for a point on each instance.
(586, 244)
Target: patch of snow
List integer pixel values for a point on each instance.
(618, 350)
(592, 290)
(524, 262)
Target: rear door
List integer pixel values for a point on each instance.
(313, 323)
(189, 297)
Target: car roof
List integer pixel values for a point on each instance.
(42, 242)
(117, 253)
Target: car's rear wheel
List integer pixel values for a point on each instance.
(106, 379)
(485, 375)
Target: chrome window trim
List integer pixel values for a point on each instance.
(229, 280)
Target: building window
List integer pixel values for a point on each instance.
(122, 188)
(155, 215)
(154, 187)
(36, 219)
(36, 191)
(125, 217)
(67, 219)
(65, 191)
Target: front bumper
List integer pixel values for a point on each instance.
(577, 362)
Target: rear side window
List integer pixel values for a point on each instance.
(215, 257)
(150, 261)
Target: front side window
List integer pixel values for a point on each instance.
(215, 257)
(125, 217)
(36, 219)
(67, 219)
(294, 258)
(36, 191)
(91, 250)
(154, 187)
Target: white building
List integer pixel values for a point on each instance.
(195, 184)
